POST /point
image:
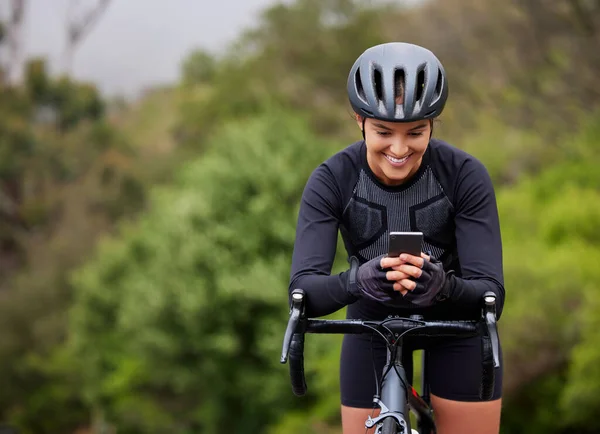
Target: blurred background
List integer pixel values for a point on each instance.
(152, 157)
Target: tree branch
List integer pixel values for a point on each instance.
(77, 29)
(14, 37)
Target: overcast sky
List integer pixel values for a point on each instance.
(138, 43)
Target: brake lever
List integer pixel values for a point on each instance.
(490, 320)
(296, 311)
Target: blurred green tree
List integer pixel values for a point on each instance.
(178, 321)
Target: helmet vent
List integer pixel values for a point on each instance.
(420, 84)
(359, 85)
(398, 84)
(378, 84)
(438, 85)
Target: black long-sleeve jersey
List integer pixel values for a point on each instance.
(450, 199)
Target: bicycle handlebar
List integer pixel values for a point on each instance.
(298, 325)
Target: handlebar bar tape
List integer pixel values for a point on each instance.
(297, 364)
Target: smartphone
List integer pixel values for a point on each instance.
(405, 242)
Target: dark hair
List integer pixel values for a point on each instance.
(399, 85)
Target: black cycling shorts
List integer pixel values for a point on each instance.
(453, 367)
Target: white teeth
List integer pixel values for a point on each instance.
(397, 160)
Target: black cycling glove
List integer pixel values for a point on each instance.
(368, 281)
(433, 285)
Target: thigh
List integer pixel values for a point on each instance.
(459, 417)
(361, 365)
(353, 420)
(454, 372)
(454, 369)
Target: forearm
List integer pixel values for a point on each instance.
(324, 294)
(469, 292)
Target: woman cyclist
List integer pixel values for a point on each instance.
(399, 178)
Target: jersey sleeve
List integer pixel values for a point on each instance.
(315, 246)
(478, 237)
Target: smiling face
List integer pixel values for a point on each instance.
(395, 149)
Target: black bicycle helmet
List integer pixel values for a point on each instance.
(372, 83)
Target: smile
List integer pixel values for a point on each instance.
(397, 161)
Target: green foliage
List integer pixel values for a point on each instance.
(551, 253)
(75, 102)
(65, 176)
(276, 64)
(198, 68)
(37, 82)
(62, 102)
(580, 220)
(178, 322)
(17, 140)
